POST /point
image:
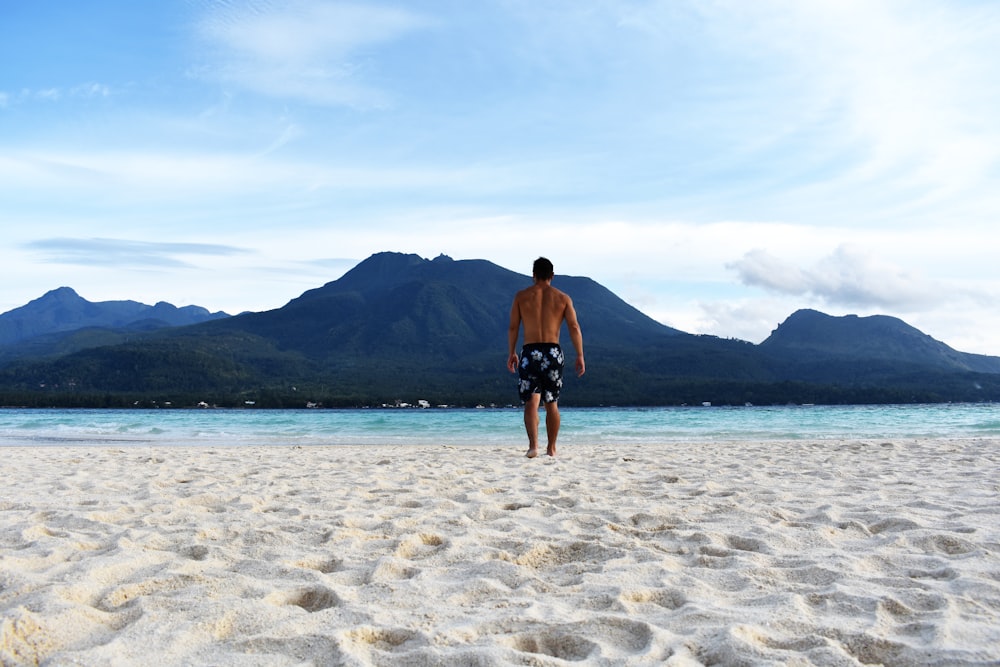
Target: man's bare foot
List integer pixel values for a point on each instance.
(532, 452)
(551, 451)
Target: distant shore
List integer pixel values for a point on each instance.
(682, 553)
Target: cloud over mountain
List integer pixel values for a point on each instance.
(850, 276)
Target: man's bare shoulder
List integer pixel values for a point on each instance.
(558, 294)
(525, 294)
(525, 291)
(545, 293)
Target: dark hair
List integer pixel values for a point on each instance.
(542, 269)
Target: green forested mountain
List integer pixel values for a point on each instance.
(63, 310)
(397, 306)
(811, 337)
(401, 327)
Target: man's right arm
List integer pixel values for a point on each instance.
(513, 330)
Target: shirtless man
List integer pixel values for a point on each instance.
(542, 309)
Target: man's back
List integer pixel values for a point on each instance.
(543, 309)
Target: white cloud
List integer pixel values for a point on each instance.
(91, 90)
(51, 94)
(54, 94)
(125, 176)
(747, 319)
(848, 277)
(309, 50)
(122, 253)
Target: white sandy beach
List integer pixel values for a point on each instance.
(771, 553)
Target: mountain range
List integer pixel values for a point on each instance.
(37, 325)
(63, 309)
(400, 327)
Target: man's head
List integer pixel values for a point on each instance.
(542, 269)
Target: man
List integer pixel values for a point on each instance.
(542, 309)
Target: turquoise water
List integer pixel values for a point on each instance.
(490, 426)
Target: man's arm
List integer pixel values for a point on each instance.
(513, 330)
(575, 336)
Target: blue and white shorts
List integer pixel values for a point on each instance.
(541, 371)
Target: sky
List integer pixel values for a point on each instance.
(718, 164)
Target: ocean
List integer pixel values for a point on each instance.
(489, 426)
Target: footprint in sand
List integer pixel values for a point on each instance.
(892, 524)
(390, 640)
(307, 649)
(417, 547)
(571, 647)
(312, 598)
(947, 544)
(612, 637)
(320, 564)
(742, 543)
(587, 556)
(663, 597)
(513, 507)
(390, 569)
(194, 552)
(733, 644)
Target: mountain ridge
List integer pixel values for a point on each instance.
(397, 324)
(62, 310)
(873, 336)
(393, 302)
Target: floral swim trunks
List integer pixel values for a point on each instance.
(541, 371)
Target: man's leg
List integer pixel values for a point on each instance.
(531, 424)
(552, 420)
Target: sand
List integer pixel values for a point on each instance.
(767, 553)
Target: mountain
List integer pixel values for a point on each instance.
(394, 305)
(398, 326)
(814, 339)
(63, 310)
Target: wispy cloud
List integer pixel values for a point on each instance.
(183, 177)
(124, 253)
(308, 50)
(91, 90)
(902, 95)
(54, 94)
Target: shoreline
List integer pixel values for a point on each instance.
(827, 552)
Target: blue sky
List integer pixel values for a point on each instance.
(718, 164)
